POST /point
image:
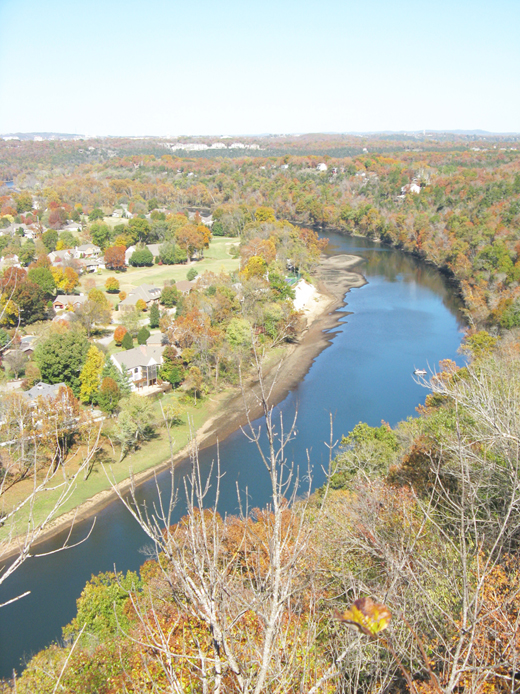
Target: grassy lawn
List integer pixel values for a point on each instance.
(152, 453)
(216, 259)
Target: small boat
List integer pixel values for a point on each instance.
(420, 372)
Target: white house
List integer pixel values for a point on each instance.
(322, 167)
(142, 364)
(87, 250)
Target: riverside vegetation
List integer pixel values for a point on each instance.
(422, 518)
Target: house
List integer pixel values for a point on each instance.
(43, 390)
(184, 286)
(73, 227)
(322, 167)
(87, 250)
(157, 339)
(154, 249)
(147, 292)
(58, 258)
(63, 301)
(128, 254)
(92, 264)
(141, 363)
(411, 188)
(9, 260)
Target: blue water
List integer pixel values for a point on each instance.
(405, 317)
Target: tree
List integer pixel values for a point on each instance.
(43, 277)
(92, 313)
(138, 229)
(115, 258)
(112, 285)
(109, 395)
(192, 239)
(191, 274)
(50, 239)
(170, 296)
(119, 334)
(96, 213)
(24, 202)
(90, 376)
(16, 360)
(23, 300)
(100, 234)
(140, 305)
(154, 316)
(167, 254)
(127, 341)
(60, 358)
(135, 422)
(141, 257)
(66, 279)
(143, 335)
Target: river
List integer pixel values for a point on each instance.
(406, 316)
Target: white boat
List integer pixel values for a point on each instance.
(420, 372)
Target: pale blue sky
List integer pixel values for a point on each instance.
(114, 67)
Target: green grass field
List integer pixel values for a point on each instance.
(216, 259)
(151, 453)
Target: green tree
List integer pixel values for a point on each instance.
(135, 422)
(60, 358)
(154, 316)
(138, 229)
(50, 239)
(100, 234)
(127, 342)
(170, 297)
(191, 274)
(143, 335)
(122, 378)
(141, 257)
(109, 395)
(43, 277)
(90, 376)
(238, 332)
(96, 214)
(27, 253)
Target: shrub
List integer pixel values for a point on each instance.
(141, 305)
(191, 274)
(141, 257)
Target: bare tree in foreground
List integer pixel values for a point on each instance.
(239, 609)
(34, 452)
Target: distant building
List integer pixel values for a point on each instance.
(411, 188)
(322, 167)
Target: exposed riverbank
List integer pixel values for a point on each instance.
(335, 277)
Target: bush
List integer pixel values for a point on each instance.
(143, 335)
(141, 257)
(127, 342)
(140, 305)
(191, 274)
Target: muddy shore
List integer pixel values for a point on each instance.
(336, 276)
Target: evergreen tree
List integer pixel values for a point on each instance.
(90, 376)
(125, 382)
(154, 316)
(143, 335)
(127, 342)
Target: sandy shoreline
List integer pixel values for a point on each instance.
(335, 278)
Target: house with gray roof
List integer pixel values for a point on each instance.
(63, 301)
(43, 390)
(147, 292)
(142, 364)
(87, 250)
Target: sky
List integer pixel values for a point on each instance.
(237, 67)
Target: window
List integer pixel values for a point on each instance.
(136, 370)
